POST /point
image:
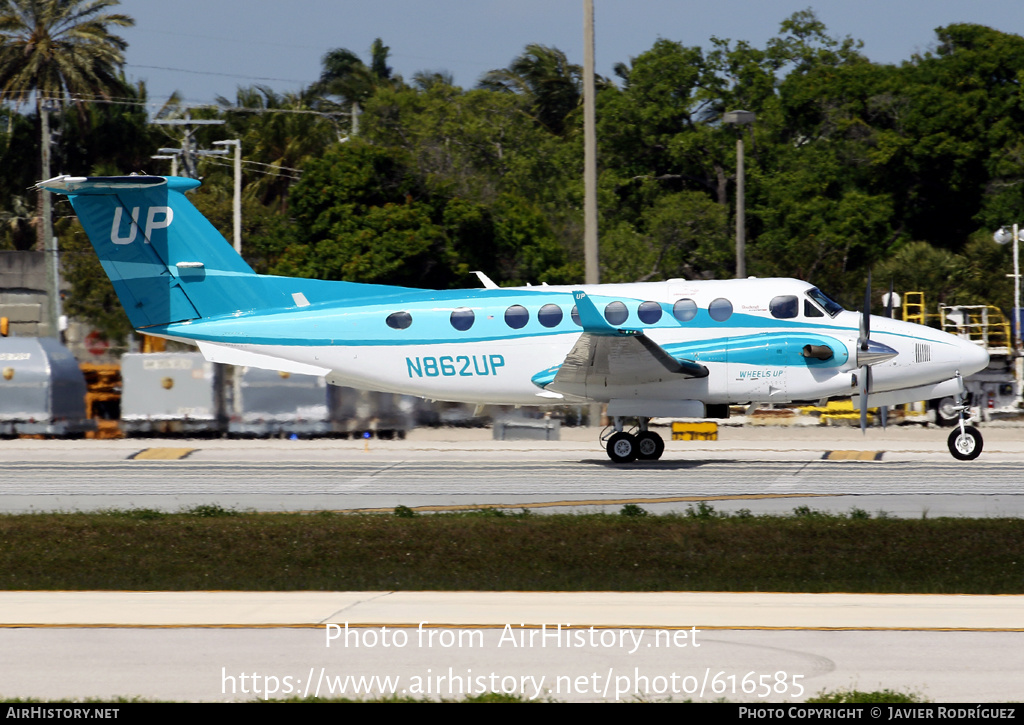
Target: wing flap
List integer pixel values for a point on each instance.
(603, 360)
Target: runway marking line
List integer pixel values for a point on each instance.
(583, 502)
(439, 625)
(161, 454)
(852, 456)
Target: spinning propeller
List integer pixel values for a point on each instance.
(870, 353)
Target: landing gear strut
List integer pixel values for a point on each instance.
(625, 447)
(965, 442)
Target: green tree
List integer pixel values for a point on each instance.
(279, 134)
(59, 50)
(358, 215)
(547, 82)
(346, 77)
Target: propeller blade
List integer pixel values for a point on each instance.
(885, 415)
(865, 388)
(865, 319)
(888, 305)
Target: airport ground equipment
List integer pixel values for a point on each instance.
(42, 391)
(271, 403)
(171, 393)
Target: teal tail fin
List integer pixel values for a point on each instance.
(167, 262)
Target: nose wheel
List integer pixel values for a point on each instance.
(966, 444)
(626, 447)
(965, 441)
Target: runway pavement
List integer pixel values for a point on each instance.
(679, 645)
(765, 470)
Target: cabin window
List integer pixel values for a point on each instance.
(649, 312)
(784, 307)
(720, 309)
(574, 313)
(616, 313)
(399, 320)
(810, 310)
(516, 317)
(463, 318)
(550, 315)
(684, 310)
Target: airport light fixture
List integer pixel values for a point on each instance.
(740, 118)
(1005, 236)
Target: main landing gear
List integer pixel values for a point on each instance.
(965, 441)
(639, 443)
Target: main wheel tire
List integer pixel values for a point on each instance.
(965, 446)
(649, 446)
(622, 448)
(946, 413)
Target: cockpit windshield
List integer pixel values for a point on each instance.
(831, 307)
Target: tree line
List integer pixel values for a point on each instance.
(851, 165)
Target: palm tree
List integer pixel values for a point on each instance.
(58, 50)
(346, 76)
(59, 47)
(546, 79)
(280, 133)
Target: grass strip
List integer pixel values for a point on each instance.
(209, 548)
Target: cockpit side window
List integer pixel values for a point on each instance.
(811, 310)
(832, 308)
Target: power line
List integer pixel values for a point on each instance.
(214, 162)
(215, 73)
(222, 109)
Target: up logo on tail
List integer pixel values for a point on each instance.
(157, 217)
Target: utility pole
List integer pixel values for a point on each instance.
(590, 248)
(237, 210)
(188, 151)
(50, 250)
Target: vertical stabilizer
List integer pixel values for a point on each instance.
(166, 261)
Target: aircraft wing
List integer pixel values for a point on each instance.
(605, 356)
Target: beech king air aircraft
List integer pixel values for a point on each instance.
(669, 349)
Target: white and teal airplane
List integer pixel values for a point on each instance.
(679, 348)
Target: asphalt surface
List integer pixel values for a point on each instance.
(238, 646)
(763, 469)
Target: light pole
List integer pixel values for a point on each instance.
(1005, 236)
(238, 189)
(740, 119)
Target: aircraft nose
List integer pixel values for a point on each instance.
(972, 358)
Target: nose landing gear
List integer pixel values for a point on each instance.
(965, 442)
(625, 447)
